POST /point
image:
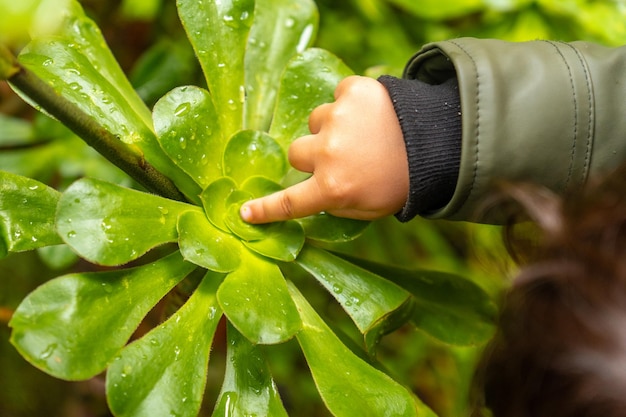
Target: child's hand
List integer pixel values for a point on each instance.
(357, 155)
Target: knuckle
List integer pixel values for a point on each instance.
(285, 203)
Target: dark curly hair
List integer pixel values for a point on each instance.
(560, 348)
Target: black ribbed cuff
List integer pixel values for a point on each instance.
(430, 118)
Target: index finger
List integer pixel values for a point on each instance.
(300, 200)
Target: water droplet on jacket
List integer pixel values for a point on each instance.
(183, 142)
(289, 22)
(71, 234)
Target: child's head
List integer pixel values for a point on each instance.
(560, 350)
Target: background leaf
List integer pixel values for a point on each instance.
(55, 329)
(27, 209)
(111, 225)
(164, 373)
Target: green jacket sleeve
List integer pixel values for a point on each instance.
(550, 113)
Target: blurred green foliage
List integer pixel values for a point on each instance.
(373, 37)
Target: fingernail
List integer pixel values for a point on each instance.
(245, 213)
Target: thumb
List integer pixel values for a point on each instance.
(300, 200)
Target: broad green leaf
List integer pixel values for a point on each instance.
(15, 131)
(256, 301)
(164, 373)
(449, 307)
(73, 326)
(283, 241)
(71, 55)
(111, 225)
(281, 29)
(376, 306)
(250, 153)
(348, 385)
(325, 227)
(215, 201)
(27, 209)
(166, 64)
(308, 81)
(203, 244)
(218, 31)
(187, 129)
(260, 186)
(245, 231)
(248, 388)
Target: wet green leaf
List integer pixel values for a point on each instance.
(251, 153)
(325, 227)
(259, 186)
(164, 373)
(375, 304)
(256, 301)
(215, 201)
(203, 244)
(221, 51)
(71, 55)
(348, 385)
(27, 209)
(281, 29)
(245, 231)
(187, 129)
(248, 388)
(308, 81)
(448, 306)
(111, 225)
(282, 241)
(73, 326)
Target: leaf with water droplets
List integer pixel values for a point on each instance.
(73, 326)
(248, 388)
(164, 373)
(256, 301)
(220, 51)
(251, 153)
(188, 130)
(376, 306)
(112, 225)
(448, 306)
(203, 244)
(74, 60)
(27, 210)
(309, 80)
(348, 385)
(281, 29)
(325, 227)
(215, 201)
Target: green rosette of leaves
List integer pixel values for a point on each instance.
(221, 146)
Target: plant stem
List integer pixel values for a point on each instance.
(128, 158)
